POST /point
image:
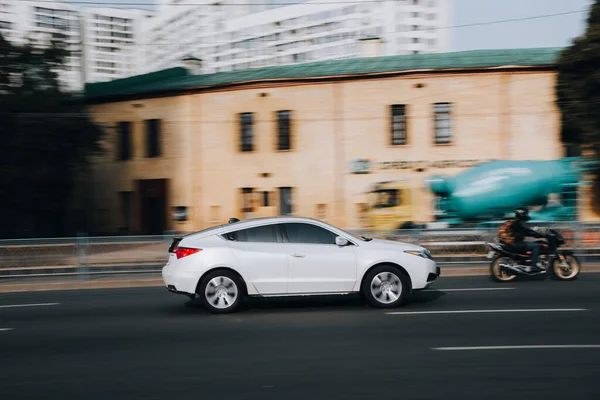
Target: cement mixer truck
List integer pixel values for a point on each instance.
(488, 193)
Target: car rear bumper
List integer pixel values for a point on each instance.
(173, 289)
(177, 282)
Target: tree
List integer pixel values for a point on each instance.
(578, 85)
(47, 139)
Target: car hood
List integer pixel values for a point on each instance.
(393, 245)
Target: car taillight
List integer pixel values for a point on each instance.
(174, 245)
(181, 252)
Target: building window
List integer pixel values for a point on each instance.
(321, 212)
(247, 200)
(246, 142)
(153, 137)
(443, 123)
(362, 214)
(125, 143)
(283, 130)
(265, 198)
(215, 214)
(285, 201)
(398, 124)
(126, 207)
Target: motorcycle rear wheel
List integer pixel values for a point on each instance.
(497, 273)
(566, 273)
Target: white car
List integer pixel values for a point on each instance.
(290, 256)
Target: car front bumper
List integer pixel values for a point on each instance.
(433, 276)
(428, 275)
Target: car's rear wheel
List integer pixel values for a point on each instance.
(385, 286)
(221, 292)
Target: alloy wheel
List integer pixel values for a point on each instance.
(386, 287)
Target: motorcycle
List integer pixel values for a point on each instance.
(507, 263)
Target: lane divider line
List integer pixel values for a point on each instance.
(487, 311)
(29, 305)
(469, 289)
(5, 329)
(558, 346)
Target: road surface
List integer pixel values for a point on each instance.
(467, 338)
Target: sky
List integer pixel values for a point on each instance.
(555, 31)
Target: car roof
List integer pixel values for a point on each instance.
(252, 222)
(265, 221)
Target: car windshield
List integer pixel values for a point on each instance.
(386, 198)
(363, 238)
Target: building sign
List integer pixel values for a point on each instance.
(367, 166)
(360, 166)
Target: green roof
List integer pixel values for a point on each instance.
(176, 79)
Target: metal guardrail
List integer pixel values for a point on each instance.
(86, 257)
(83, 257)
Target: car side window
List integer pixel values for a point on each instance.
(308, 233)
(263, 234)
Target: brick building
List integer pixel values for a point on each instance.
(312, 139)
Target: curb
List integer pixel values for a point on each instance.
(106, 284)
(158, 282)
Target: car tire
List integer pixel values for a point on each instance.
(386, 286)
(221, 292)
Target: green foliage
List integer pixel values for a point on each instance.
(47, 138)
(578, 85)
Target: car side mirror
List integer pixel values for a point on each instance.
(340, 241)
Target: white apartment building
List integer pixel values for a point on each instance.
(102, 41)
(228, 35)
(8, 19)
(111, 37)
(21, 20)
(112, 43)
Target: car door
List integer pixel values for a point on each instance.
(317, 264)
(263, 259)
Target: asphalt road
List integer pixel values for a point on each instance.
(145, 344)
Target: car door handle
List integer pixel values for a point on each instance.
(298, 255)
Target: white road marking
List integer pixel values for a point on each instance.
(5, 329)
(469, 289)
(559, 346)
(487, 311)
(29, 305)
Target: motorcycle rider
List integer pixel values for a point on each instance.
(514, 231)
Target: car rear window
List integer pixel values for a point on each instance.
(265, 234)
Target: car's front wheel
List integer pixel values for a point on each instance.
(221, 292)
(385, 286)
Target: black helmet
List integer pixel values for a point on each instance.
(522, 214)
